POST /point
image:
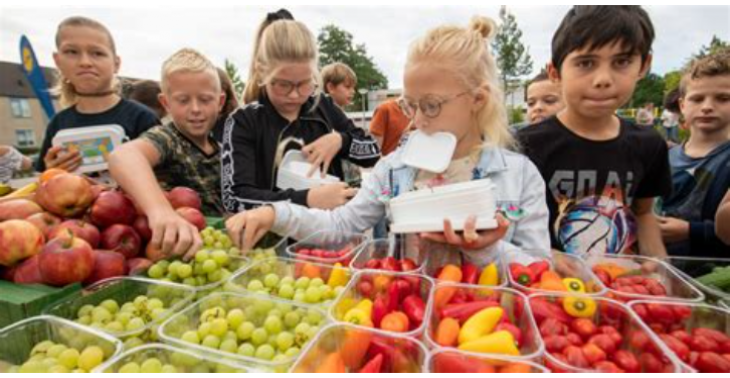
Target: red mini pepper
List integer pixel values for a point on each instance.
(393, 297)
(522, 274)
(373, 366)
(463, 311)
(543, 309)
(469, 274)
(380, 309)
(538, 268)
(415, 309)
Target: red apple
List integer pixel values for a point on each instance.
(123, 239)
(184, 197)
(80, 229)
(98, 189)
(65, 260)
(18, 209)
(142, 226)
(193, 216)
(19, 239)
(107, 264)
(138, 265)
(45, 222)
(112, 207)
(65, 195)
(28, 272)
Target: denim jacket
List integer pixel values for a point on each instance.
(517, 183)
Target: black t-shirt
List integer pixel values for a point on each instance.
(133, 117)
(592, 184)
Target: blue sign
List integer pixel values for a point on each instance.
(34, 74)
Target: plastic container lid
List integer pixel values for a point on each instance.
(95, 143)
(431, 153)
(293, 173)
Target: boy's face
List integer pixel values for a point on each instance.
(544, 100)
(597, 82)
(706, 104)
(193, 100)
(85, 57)
(342, 93)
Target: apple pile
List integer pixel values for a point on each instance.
(704, 348)
(593, 334)
(75, 231)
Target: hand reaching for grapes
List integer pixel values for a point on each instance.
(248, 227)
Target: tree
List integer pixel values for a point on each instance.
(513, 58)
(671, 81)
(336, 45)
(716, 44)
(650, 89)
(232, 71)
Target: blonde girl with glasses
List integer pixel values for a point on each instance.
(450, 85)
(284, 110)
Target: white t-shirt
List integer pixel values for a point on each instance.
(670, 119)
(9, 163)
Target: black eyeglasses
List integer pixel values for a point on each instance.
(286, 87)
(430, 105)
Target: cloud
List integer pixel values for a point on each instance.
(146, 36)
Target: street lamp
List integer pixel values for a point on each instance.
(363, 92)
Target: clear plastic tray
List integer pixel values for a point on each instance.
(17, 340)
(122, 290)
(255, 307)
(438, 362)
(352, 296)
(183, 360)
(382, 248)
(567, 266)
(692, 268)
(512, 301)
(329, 241)
(236, 264)
(357, 345)
(608, 312)
(702, 315)
(284, 267)
(676, 285)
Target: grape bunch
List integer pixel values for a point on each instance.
(50, 357)
(130, 319)
(159, 360)
(208, 266)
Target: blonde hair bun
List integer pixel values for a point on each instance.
(486, 27)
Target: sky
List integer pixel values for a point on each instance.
(147, 34)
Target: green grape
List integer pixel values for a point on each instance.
(140, 302)
(164, 264)
(169, 369)
(292, 352)
(326, 292)
(184, 271)
(55, 350)
(128, 308)
(311, 332)
(271, 280)
(133, 342)
(173, 267)
(191, 337)
(69, 358)
(220, 257)
(201, 256)
(230, 346)
(114, 327)
(100, 315)
(255, 285)
(314, 317)
(259, 336)
(155, 271)
(211, 341)
(86, 310)
(123, 317)
(316, 282)
(273, 324)
(275, 312)
(110, 305)
(130, 368)
(215, 276)
(235, 317)
(85, 320)
(155, 303)
(299, 296)
(135, 324)
(58, 369)
(301, 333)
(265, 352)
(302, 283)
(151, 365)
(209, 266)
(219, 327)
(245, 330)
(246, 349)
(230, 335)
(291, 319)
(312, 295)
(90, 358)
(287, 280)
(204, 329)
(284, 340)
(218, 245)
(157, 313)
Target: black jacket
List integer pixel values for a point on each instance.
(252, 136)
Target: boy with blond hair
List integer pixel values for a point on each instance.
(701, 166)
(180, 153)
(339, 82)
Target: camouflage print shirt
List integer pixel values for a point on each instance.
(182, 163)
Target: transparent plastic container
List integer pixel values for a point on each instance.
(676, 286)
(353, 295)
(296, 269)
(181, 361)
(693, 268)
(236, 263)
(379, 249)
(697, 316)
(123, 290)
(17, 340)
(566, 266)
(256, 308)
(608, 312)
(356, 346)
(451, 361)
(330, 241)
(511, 301)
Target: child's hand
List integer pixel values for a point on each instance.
(173, 235)
(59, 157)
(322, 151)
(673, 229)
(470, 239)
(330, 196)
(248, 227)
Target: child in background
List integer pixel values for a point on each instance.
(544, 98)
(339, 82)
(11, 161)
(283, 111)
(450, 85)
(701, 166)
(670, 117)
(147, 93)
(87, 63)
(602, 172)
(230, 105)
(180, 153)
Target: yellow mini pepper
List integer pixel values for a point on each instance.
(480, 324)
(574, 285)
(489, 276)
(500, 342)
(338, 276)
(579, 307)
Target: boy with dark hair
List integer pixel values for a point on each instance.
(602, 172)
(701, 166)
(543, 97)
